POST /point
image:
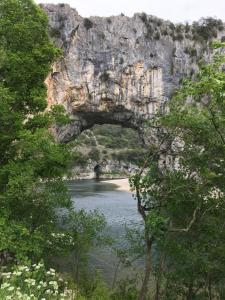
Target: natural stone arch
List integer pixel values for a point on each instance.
(114, 70)
(121, 102)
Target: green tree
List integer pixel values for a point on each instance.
(31, 162)
(86, 232)
(181, 193)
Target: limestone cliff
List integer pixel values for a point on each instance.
(120, 70)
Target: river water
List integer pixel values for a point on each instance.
(118, 207)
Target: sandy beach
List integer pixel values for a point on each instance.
(123, 184)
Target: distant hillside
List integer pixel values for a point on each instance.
(113, 145)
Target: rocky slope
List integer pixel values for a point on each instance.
(120, 70)
(118, 152)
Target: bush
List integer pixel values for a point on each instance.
(88, 24)
(206, 29)
(157, 36)
(94, 154)
(144, 18)
(34, 282)
(146, 21)
(187, 28)
(172, 26)
(104, 77)
(54, 32)
(179, 28)
(79, 159)
(179, 37)
(131, 156)
(190, 51)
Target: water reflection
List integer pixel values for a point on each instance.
(118, 207)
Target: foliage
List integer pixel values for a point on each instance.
(88, 24)
(182, 193)
(32, 163)
(206, 29)
(126, 290)
(190, 51)
(148, 25)
(94, 154)
(104, 77)
(34, 282)
(109, 142)
(55, 32)
(86, 232)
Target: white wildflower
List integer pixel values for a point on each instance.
(52, 270)
(5, 285)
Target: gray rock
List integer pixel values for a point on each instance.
(117, 70)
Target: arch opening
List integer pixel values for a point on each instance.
(107, 151)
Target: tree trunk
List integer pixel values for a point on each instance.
(148, 266)
(157, 290)
(210, 290)
(115, 274)
(159, 277)
(190, 295)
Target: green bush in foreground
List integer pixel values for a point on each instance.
(34, 282)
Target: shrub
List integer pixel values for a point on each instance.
(134, 156)
(179, 28)
(144, 18)
(157, 35)
(34, 282)
(88, 24)
(172, 26)
(94, 154)
(164, 32)
(190, 51)
(54, 32)
(121, 60)
(79, 159)
(206, 29)
(174, 51)
(146, 21)
(104, 77)
(61, 18)
(150, 31)
(159, 22)
(188, 36)
(179, 37)
(187, 28)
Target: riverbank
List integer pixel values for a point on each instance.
(122, 184)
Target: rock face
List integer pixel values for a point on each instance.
(117, 70)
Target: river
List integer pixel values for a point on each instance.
(119, 208)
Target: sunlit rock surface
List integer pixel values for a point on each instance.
(116, 70)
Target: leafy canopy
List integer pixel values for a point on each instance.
(182, 190)
(32, 164)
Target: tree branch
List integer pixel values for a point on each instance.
(193, 220)
(216, 126)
